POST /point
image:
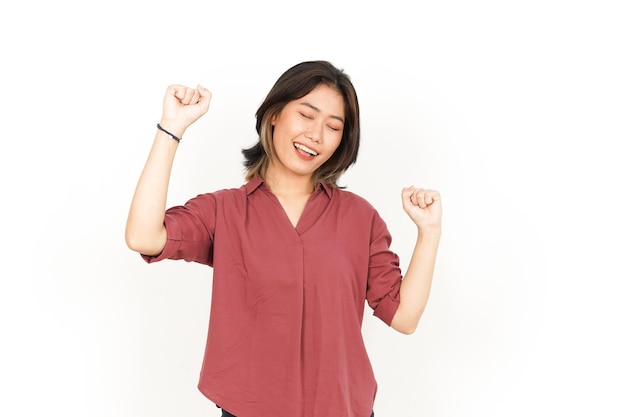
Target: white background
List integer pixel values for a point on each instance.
(514, 110)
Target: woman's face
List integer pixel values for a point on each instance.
(307, 132)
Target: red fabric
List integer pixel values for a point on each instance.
(287, 303)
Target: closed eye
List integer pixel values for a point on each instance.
(306, 116)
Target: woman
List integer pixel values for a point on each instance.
(294, 256)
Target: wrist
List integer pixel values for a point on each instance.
(174, 136)
(432, 231)
(174, 127)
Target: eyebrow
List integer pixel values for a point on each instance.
(309, 105)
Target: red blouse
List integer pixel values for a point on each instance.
(287, 305)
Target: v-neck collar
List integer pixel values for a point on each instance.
(316, 204)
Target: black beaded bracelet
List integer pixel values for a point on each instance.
(176, 138)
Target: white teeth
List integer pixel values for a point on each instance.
(305, 149)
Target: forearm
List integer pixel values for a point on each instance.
(417, 281)
(145, 232)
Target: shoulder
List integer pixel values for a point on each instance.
(360, 210)
(353, 201)
(218, 197)
(234, 195)
(228, 197)
(230, 192)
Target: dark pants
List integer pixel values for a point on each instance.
(227, 414)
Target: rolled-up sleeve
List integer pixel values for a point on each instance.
(190, 229)
(385, 276)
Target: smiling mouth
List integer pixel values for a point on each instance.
(305, 149)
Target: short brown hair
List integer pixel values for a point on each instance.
(293, 84)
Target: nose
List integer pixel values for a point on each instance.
(315, 132)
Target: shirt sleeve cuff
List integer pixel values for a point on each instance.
(171, 245)
(387, 308)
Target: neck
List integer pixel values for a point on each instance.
(288, 185)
